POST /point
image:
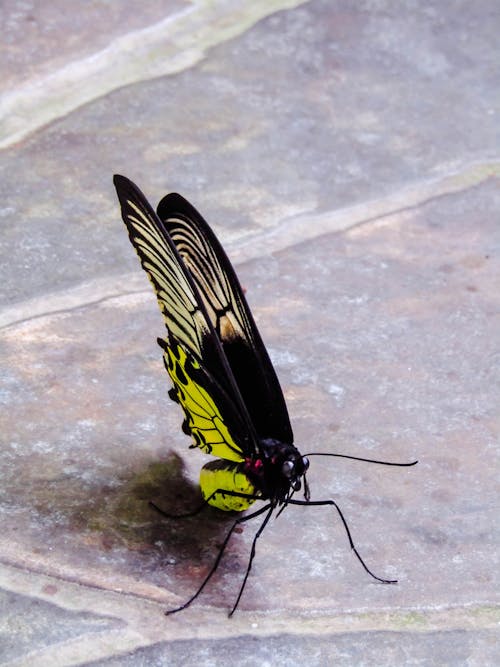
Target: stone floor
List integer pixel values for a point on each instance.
(347, 155)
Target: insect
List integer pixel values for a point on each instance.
(220, 370)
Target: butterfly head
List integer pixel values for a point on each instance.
(280, 470)
(293, 469)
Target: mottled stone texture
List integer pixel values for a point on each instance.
(40, 37)
(300, 137)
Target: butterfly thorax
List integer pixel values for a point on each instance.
(278, 470)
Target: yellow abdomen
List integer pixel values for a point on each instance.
(221, 475)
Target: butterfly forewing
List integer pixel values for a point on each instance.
(176, 297)
(191, 336)
(229, 315)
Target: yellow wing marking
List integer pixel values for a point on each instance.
(203, 417)
(224, 475)
(176, 298)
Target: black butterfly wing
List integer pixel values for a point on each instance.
(230, 316)
(204, 385)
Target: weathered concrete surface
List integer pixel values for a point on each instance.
(348, 158)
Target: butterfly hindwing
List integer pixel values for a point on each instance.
(230, 316)
(211, 419)
(200, 370)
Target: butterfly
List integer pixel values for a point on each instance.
(222, 376)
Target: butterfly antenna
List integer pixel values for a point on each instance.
(348, 532)
(358, 458)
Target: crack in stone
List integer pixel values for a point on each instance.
(305, 227)
(145, 624)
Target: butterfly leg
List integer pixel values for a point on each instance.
(224, 485)
(306, 503)
(214, 567)
(245, 498)
(185, 515)
(252, 554)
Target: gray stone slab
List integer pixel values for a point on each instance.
(179, 40)
(447, 649)
(386, 340)
(27, 623)
(373, 119)
(30, 31)
(313, 109)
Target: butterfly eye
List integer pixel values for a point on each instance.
(305, 462)
(287, 468)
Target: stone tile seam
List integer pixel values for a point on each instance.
(288, 233)
(304, 227)
(128, 60)
(140, 631)
(143, 623)
(129, 608)
(102, 645)
(98, 645)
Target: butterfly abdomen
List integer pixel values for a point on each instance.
(219, 479)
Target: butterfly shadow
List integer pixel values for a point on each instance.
(172, 548)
